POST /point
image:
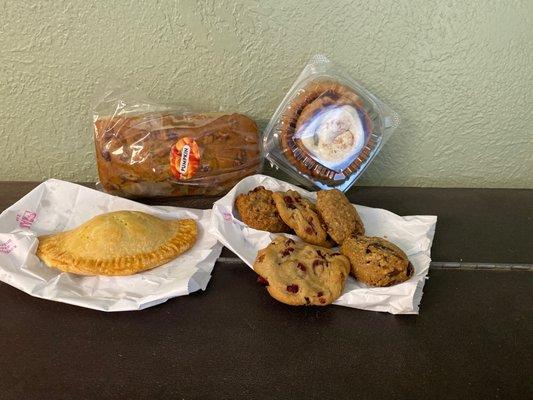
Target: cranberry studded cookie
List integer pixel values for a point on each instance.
(258, 211)
(376, 261)
(300, 214)
(297, 273)
(339, 215)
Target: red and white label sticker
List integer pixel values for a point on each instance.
(184, 158)
(184, 162)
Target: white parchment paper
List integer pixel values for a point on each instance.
(56, 206)
(413, 234)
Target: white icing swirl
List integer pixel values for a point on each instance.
(334, 137)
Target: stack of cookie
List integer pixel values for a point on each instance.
(309, 272)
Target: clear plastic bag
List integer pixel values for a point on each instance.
(146, 149)
(328, 128)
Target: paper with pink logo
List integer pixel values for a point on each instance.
(413, 234)
(55, 206)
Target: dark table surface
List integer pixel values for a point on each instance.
(472, 339)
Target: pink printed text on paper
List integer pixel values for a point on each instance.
(26, 219)
(227, 216)
(7, 247)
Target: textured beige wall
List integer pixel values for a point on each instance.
(459, 74)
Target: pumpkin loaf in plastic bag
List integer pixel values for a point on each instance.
(145, 149)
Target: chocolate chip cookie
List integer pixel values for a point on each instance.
(339, 215)
(300, 214)
(376, 261)
(258, 211)
(297, 273)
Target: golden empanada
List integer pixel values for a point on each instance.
(118, 243)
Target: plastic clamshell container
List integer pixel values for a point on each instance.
(328, 128)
